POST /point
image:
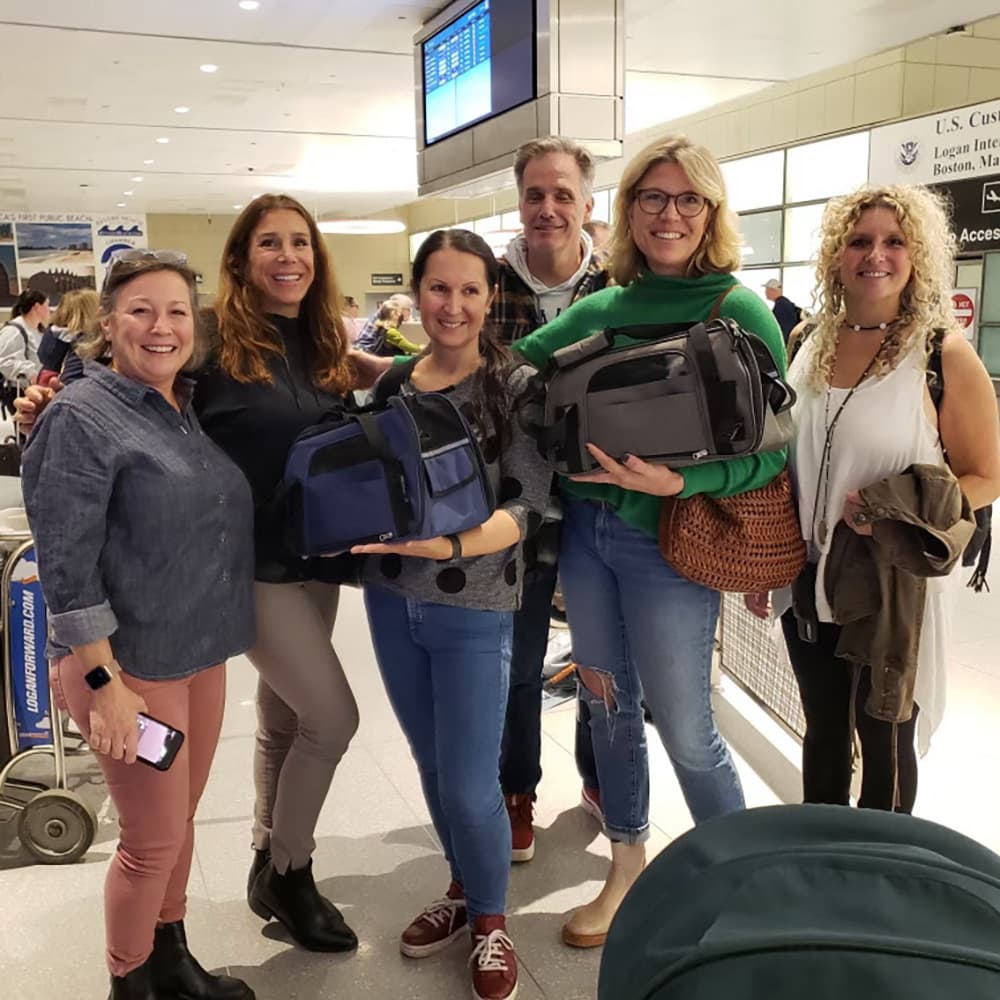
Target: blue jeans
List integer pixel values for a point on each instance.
(646, 631)
(446, 671)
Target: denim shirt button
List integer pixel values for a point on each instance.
(222, 538)
(222, 499)
(225, 576)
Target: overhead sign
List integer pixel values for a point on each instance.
(963, 304)
(386, 279)
(939, 148)
(975, 212)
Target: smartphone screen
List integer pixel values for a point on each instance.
(158, 742)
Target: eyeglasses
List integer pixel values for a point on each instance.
(688, 203)
(122, 258)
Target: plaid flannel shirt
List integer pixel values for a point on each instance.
(515, 310)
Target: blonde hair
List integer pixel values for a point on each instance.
(78, 313)
(719, 252)
(925, 302)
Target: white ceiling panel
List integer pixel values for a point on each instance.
(316, 96)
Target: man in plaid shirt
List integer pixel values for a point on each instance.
(544, 270)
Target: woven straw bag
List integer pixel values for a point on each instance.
(741, 544)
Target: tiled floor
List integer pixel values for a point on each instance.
(376, 853)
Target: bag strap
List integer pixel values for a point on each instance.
(716, 310)
(24, 335)
(393, 380)
(395, 475)
(720, 394)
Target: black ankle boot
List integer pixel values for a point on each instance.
(177, 974)
(137, 985)
(260, 858)
(314, 922)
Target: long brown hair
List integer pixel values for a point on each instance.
(247, 338)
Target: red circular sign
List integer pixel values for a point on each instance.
(965, 309)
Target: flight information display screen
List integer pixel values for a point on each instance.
(478, 66)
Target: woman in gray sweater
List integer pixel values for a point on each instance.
(441, 611)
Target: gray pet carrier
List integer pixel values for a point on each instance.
(674, 396)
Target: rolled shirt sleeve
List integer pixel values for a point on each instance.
(68, 479)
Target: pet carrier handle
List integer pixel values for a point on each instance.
(582, 349)
(720, 394)
(395, 475)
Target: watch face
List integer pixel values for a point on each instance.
(98, 677)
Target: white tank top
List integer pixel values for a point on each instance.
(883, 429)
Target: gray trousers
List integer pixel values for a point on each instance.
(306, 715)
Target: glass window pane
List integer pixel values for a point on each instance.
(755, 181)
(756, 277)
(798, 284)
(989, 348)
(990, 310)
(487, 225)
(511, 221)
(802, 231)
(612, 194)
(823, 169)
(602, 209)
(761, 233)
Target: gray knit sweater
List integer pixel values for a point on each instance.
(520, 478)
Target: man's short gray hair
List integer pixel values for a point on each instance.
(555, 144)
(401, 300)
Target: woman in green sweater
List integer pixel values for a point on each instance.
(639, 628)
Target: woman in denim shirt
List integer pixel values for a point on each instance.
(143, 532)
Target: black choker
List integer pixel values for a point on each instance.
(857, 327)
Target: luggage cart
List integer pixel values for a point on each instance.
(54, 824)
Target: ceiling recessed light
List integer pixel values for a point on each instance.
(208, 68)
(182, 109)
(248, 4)
(163, 140)
(121, 204)
(148, 163)
(237, 207)
(128, 194)
(137, 179)
(362, 227)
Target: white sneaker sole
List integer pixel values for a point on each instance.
(426, 950)
(510, 996)
(520, 854)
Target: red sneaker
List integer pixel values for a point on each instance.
(494, 964)
(520, 809)
(437, 926)
(590, 802)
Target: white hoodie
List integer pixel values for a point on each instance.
(551, 301)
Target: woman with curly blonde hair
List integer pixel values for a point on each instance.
(864, 413)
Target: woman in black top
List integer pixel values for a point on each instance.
(280, 364)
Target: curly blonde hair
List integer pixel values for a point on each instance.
(719, 252)
(925, 302)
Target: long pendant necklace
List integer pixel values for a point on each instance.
(823, 479)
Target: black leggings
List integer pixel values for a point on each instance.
(825, 683)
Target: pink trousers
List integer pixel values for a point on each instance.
(147, 879)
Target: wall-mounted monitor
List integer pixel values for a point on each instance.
(493, 74)
(480, 65)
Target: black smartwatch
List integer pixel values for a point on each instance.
(456, 548)
(98, 677)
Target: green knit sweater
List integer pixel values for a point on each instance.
(656, 299)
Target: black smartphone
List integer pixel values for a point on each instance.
(158, 742)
